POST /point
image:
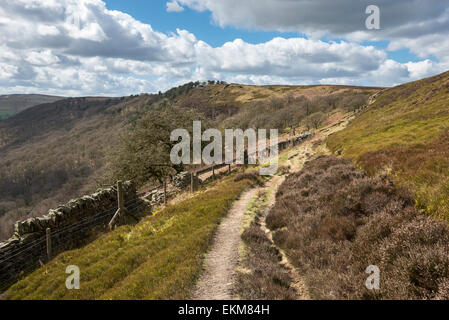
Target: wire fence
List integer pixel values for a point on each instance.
(27, 257)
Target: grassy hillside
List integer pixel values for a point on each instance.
(282, 107)
(15, 103)
(159, 258)
(406, 132)
(239, 95)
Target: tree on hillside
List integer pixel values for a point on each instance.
(143, 153)
(314, 120)
(352, 103)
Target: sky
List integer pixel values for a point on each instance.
(118, 47)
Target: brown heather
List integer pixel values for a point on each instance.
(333, 221)
(266, 278)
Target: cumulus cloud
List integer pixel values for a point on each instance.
(79, 42)
(85, 28)
(79, 47)
(296, 57)
(173, 6)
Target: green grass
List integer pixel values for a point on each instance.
(159, 258)
(406, 131)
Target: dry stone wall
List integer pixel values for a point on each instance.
(70, 225)
(182, 180)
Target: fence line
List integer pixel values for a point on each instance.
(132, 205)
(282, 146)
(65, 241)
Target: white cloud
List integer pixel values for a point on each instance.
(400, 17)
(293, 58)
(46, 30)
(79, 47)
(422, 69)
(173, 6)
(42, 58)
(7, 71)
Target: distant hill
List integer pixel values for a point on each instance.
(406, 132)
(14, 103)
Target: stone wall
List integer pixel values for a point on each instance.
(156, 197)
(182, 180)
(70, 224)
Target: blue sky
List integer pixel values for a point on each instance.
(155, 13)
(118, 47)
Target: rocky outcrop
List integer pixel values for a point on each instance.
(182, 180)
(156, 197)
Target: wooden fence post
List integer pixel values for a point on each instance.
(165, 192)
(192, 183)
(121, 205)
(229, 168)
(48, 234)
(195, 181)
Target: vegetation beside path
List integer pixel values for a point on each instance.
(159, 258)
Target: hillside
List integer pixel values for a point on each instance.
(246, 106)
(54, 152)
(405, 132)
(159, 258)
(57, 151)
(163, 255)
(329, 222)
(14, 103)
(239, 94)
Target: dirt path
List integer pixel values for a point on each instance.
(217, 280)
(296, 162)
